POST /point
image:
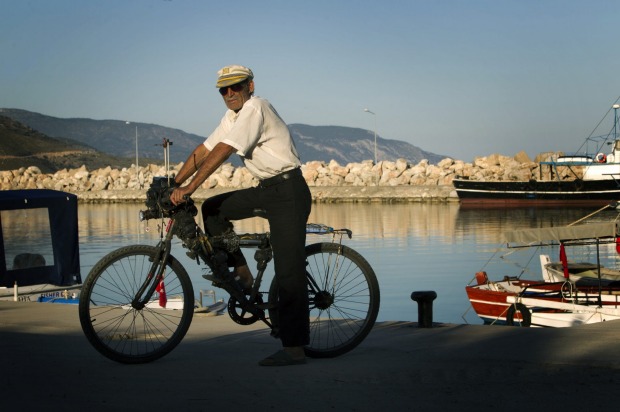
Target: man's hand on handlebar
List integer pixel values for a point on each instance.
(180, 195)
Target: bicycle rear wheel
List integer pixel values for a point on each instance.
(344, 299)
(135, 335)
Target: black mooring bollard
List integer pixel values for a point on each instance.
(425, 300)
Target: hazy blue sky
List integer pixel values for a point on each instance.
(460, 78)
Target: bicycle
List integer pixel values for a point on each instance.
(137, 302)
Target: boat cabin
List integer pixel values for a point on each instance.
(38, 238)
(600, 166)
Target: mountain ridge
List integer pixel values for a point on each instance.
(117, 138)
(23, 146)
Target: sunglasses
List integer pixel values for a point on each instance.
(235, 88)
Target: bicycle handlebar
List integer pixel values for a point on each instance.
(148, 214)
(159, 203)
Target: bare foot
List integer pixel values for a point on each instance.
(245, 276)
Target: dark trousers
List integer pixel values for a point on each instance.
(287, 206)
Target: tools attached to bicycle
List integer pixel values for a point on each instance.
(211, 250)
(220, 275)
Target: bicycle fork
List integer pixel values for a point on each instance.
(154, 276)
(156, 272)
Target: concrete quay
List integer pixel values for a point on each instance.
(320, 194)
(47, 364)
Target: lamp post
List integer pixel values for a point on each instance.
(375, 116)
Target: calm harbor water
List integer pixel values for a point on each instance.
(410, 246)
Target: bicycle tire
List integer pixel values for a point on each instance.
(344, 309)
(126, 334)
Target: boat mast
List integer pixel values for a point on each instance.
(616, 148)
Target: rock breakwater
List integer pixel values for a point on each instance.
(365, 181)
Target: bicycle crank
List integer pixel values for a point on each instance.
(245, 313)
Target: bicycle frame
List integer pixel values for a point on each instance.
(262, 256)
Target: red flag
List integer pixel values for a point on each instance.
(161, 289)
(564, 260)
(618, 245)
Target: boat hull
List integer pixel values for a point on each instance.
(547, 304)
(551, 193)
(46, 293)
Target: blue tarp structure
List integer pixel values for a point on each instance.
(26, 213)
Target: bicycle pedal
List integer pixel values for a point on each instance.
(213, 279)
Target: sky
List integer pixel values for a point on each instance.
(453, 77)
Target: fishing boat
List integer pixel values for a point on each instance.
(591, 178)
(547, 302)
(39, 249)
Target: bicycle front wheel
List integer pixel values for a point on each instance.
(129, 334)
(344, 299)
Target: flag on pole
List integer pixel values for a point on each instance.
(564, 260)
(161, 289)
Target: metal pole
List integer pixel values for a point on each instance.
(616, 107)
(375, 139)
(137, 173)
(598, 265)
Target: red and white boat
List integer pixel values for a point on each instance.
(547, 302)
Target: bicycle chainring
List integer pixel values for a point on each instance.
(241, 315)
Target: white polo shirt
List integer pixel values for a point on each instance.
(260, 137)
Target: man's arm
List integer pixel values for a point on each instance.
(209, 164)
(192, 164)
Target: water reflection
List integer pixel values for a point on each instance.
(370, 220)
(410, 246)
(366, 220)
(489, 224)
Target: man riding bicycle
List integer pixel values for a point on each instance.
(252, 128)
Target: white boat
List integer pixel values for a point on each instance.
(170, 303)
(176, 303)
(42, 293)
